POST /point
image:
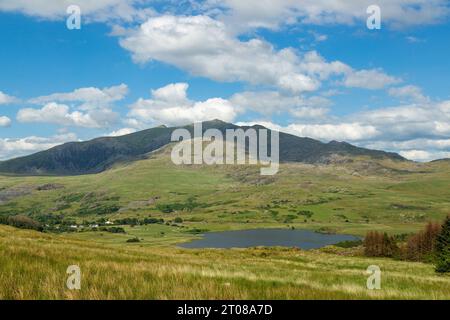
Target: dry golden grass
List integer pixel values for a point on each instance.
(33, 266)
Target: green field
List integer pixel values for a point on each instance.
(349, 196)
(34, 267)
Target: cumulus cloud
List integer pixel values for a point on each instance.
(325, 132)
(369, 79)
(252, 14)
(15, 147)
(121, 132)
(409, 92)
(203, 47)
(98, 11)
(60, 114)
(313, 64)
(413, 130)
(419, 132)
(92, 107)
(341, 131)
(269, 102)
(422, 155)
(5, 121)
(90, 97)
(249, 14)
(410, 121)
(310, 113)
(170, 105)
(414, 144)
(7, 99)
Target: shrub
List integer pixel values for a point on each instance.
(289, 218)
(306, 213)
(113, 229)
(127, 221)
(152, 221)
(178, 220)
(349, 243)
(196, 231)
(133, 240)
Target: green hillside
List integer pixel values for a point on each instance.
(352, 195)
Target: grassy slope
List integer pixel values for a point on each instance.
(33, 266)
(352, 197)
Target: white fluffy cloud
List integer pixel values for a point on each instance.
(418, 131)
(269, 102)
(414, 144)
(248, 14)
(408, 92)
(310, 112)
(60, 114)
(410, 121)
(90, 97)
(99, 10)
(271, 14)
(326, 132)
(422, 155)
(10, 147)
(203, 47)
(6, 99)
(170, 105)
(5, 121)
(92, 107)
(121, 132)
(341, 131)
(369, 79)
(313, 64)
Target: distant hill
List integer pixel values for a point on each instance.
(440, 160)
(93, 156)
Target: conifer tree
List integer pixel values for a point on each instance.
(443, 248)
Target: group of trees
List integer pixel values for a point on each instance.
(422, 245)
(377, 244)
(443, 248)
(21, 221)
(429, 245)
(136, 221)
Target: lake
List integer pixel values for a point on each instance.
(304, 239)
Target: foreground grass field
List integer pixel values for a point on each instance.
(33, 266)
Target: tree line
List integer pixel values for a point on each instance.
(432, 244)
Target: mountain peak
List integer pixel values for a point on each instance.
(99, 154)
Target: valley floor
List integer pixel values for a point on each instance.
(33, 266)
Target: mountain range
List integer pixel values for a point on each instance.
(97, 155)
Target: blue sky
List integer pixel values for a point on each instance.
(310, 68)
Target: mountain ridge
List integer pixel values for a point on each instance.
(99, 154)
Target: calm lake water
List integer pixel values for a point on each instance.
(304, 239)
